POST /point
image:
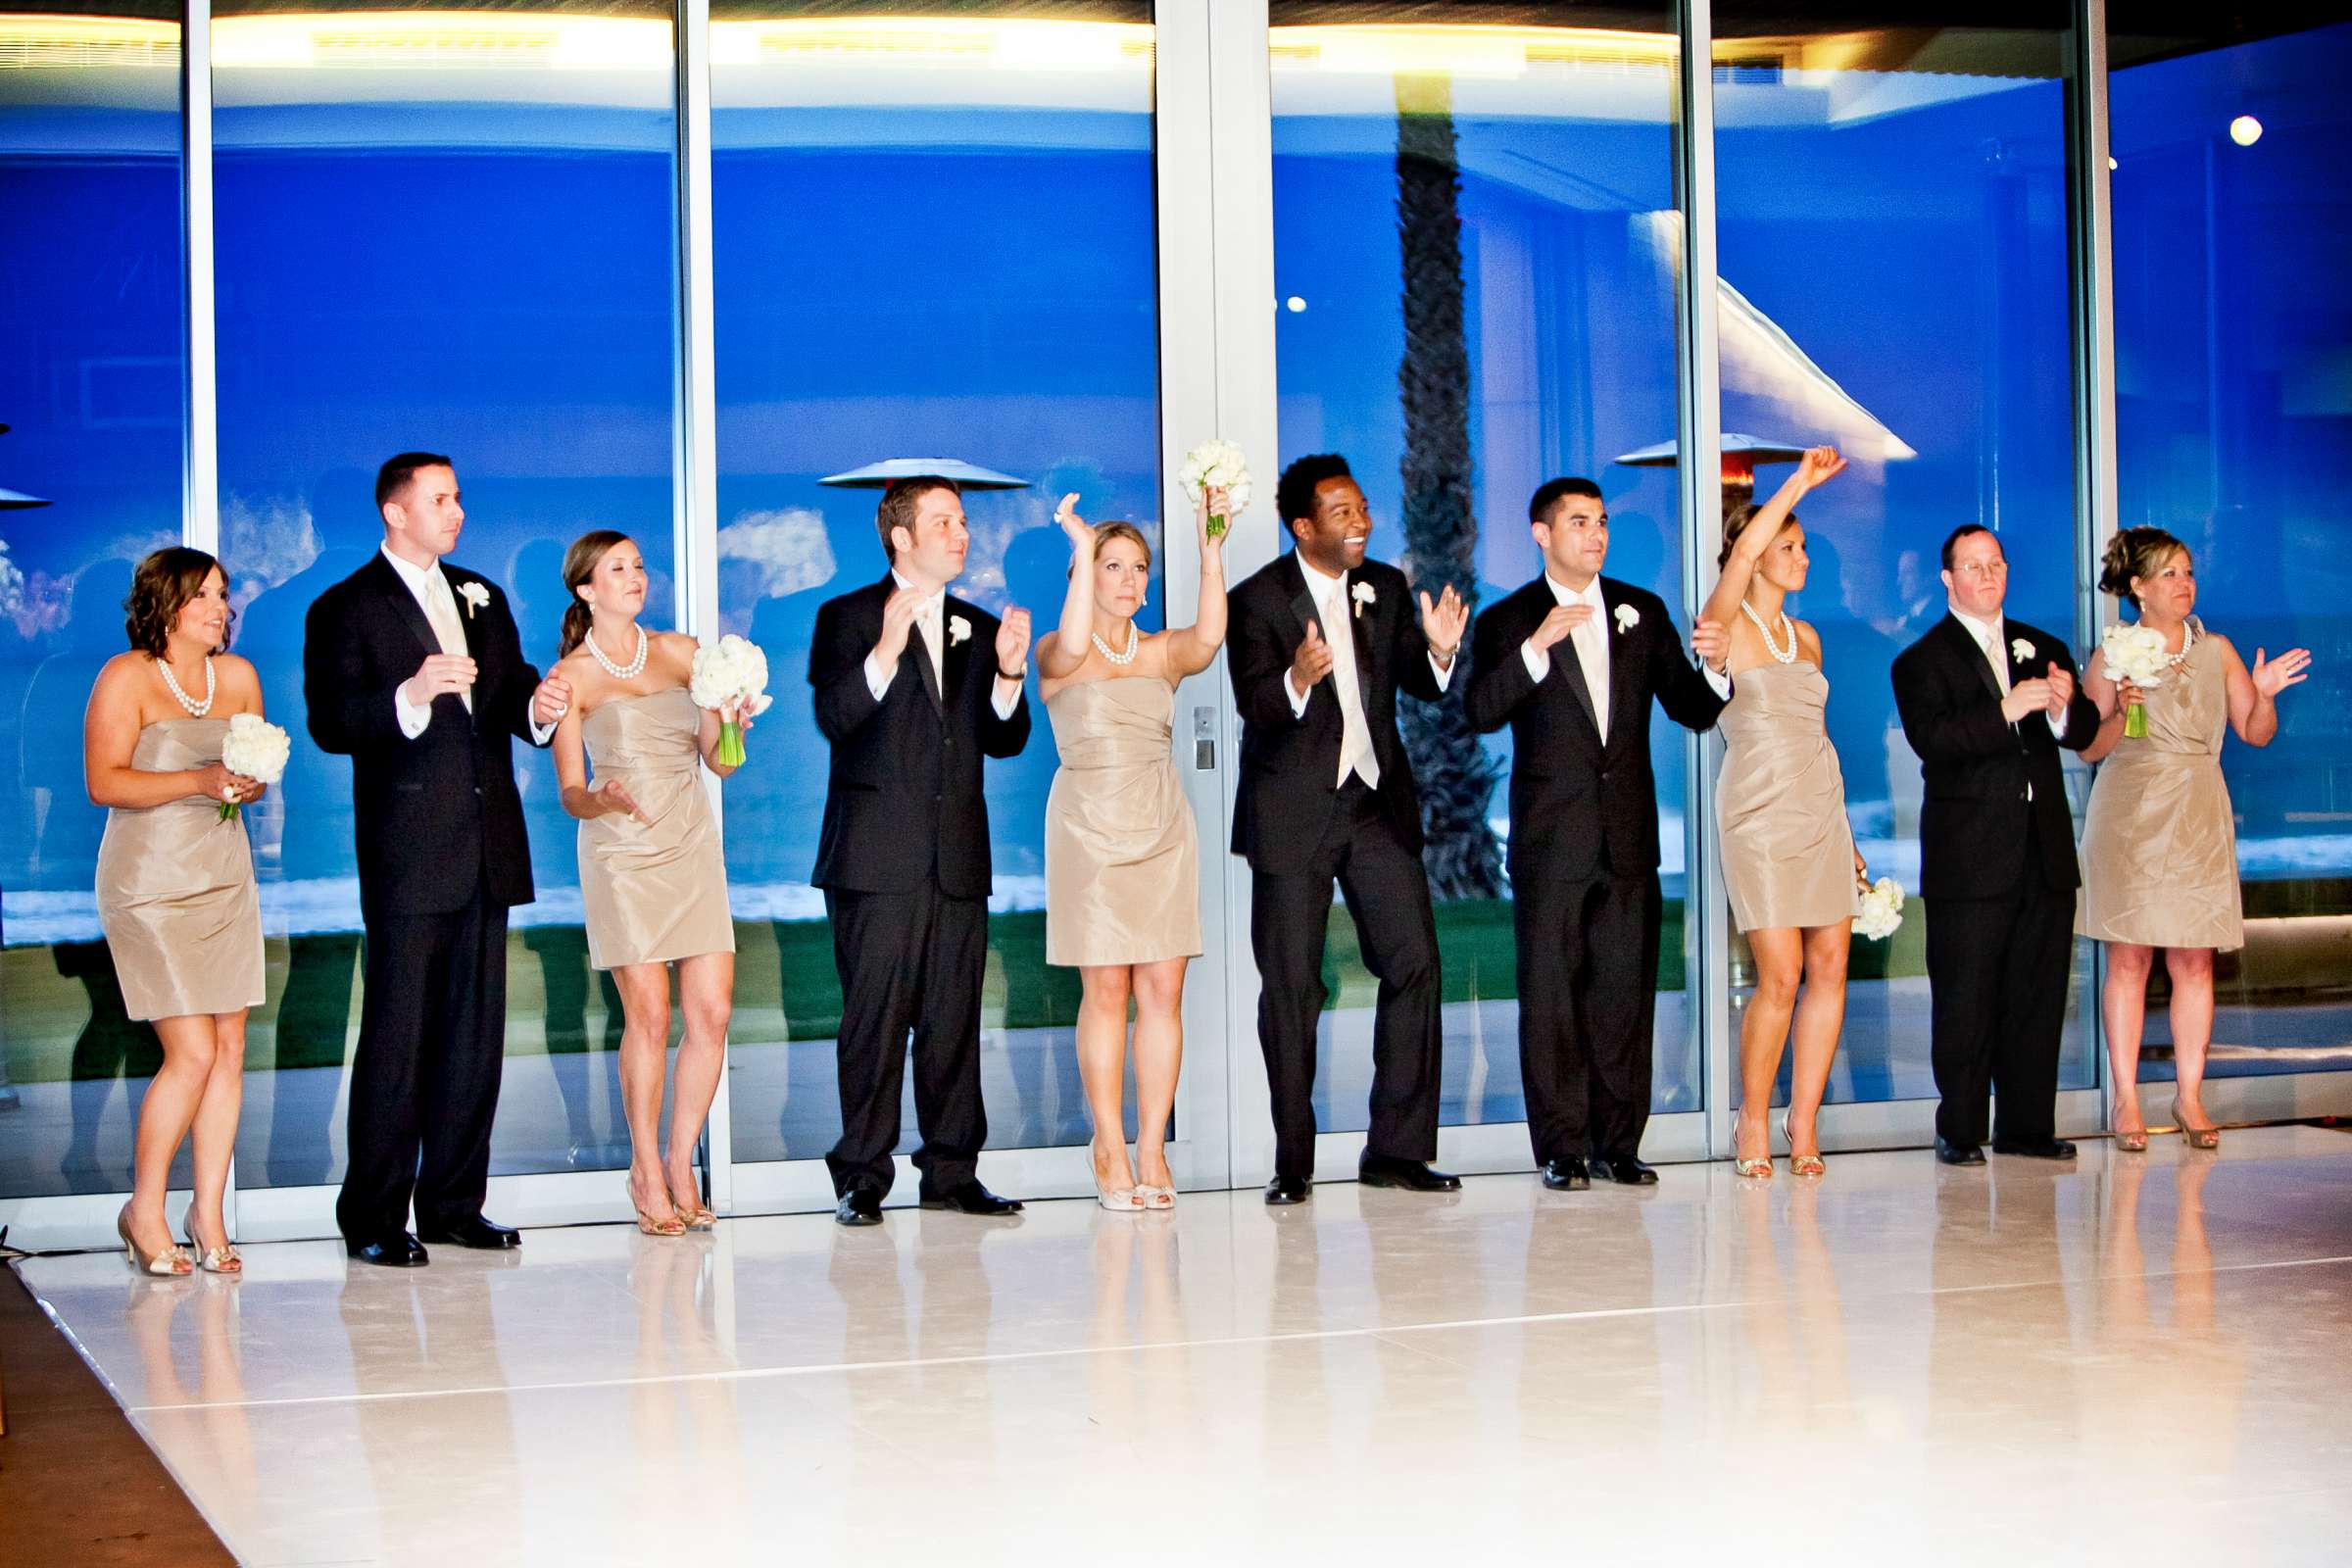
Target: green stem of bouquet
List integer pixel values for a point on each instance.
(2136, 723)
(730, 745)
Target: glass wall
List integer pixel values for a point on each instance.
(1891, 211)
(933, 237)
(92, 379)
(449, 229)
(2234, 423)
(1508, 190)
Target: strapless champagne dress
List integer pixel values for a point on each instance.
(175, 892)
(1122, 864)
(1787, 849)
(2159, 841)
(653, 890)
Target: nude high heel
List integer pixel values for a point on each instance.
(2208, 1137)
(169, 1263)
(221, 1260)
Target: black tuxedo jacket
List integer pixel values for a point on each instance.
(1973, 825)
(1291, 763)
(431, 809)
(905, 795)
(1578, 808)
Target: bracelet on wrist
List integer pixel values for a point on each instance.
(1003, 674)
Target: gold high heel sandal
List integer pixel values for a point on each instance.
(221, 1260)
(2207, 1137)
(2133, 1142)
(1753, 1169)
(1801, 1164)
(645, 1223)
(169, 1263)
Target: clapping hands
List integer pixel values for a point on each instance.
(1013, 640)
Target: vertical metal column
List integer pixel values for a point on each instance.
(2092, 250)
(200, 496)
(694, 465)
(1706, 914)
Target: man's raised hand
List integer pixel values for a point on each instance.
(1443, 622)
(1013, 641)
(897, 621)
(440, 675)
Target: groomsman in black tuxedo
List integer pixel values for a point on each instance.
(412, 669)
(1986, 703)
(1321, 641)
(912, 689)
(1572, 662)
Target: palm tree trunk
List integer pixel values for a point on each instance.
(1456, 778)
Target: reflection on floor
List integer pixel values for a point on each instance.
(1901, 1362)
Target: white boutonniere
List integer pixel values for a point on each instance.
(2020, 650)
(958, 629)
(1363, 595)
(1628, 618)
(474, 595)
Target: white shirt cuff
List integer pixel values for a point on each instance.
(1444, 672)
(1298, 698)
(412, 720)
(1537, 660)
(878, 679)
(2057, 727)
(1004, 701)
(1717, 679)
(541, 734)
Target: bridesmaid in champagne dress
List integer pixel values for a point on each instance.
(1122, 865)
(2159, 839)
(175, 889)
(1788, 859)
(653, 878)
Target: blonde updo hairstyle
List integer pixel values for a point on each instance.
(2139, 553)
(1105, 532)
(579, 564)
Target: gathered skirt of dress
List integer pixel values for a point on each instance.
(2159, 838)
(654, 890)
(176, 896)
(1787, 849)
(1122, 860)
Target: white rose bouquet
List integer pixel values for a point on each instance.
(1879, 909)
(255, 749)
(2135, 654)
(1217, 465)
(734, 673)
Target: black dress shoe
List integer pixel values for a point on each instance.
(1413, 1175)
(474, 1232)
(2035, 1147)
(859, 1205)
(1284, 1191)
(1566, 1175)
(401, 1251)
(1623, 1169)
(1952, 1154)
(970, 1198)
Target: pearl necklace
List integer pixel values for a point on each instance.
(628, 671)
(1135, 643)
(196, 709)
(2188, 640)
(1770, 647)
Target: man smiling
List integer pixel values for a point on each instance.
(1321, 641)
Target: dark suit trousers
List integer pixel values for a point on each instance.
(424, 1079)
(1997, 971)
(1388, 897)
(908, 961)
(1588, 1000)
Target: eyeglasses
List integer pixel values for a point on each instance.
(1982, 568)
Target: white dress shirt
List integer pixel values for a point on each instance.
(1592, 643)
(928, 625)
(1332, 596)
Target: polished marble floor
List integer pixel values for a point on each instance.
(2134, 1359)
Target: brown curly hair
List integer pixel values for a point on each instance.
(2136, 552)
(162, 587)
(1735, 523)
